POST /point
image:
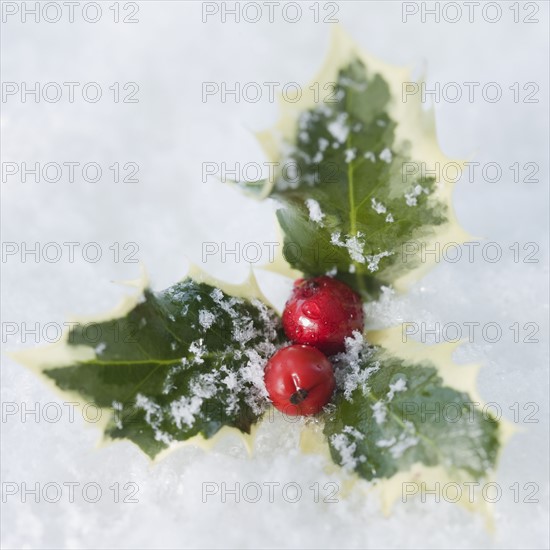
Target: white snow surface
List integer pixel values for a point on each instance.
(171, 212)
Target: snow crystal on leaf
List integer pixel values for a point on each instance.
(153, 411)
(374, 260)
(244, 331)
(204, 385)
(231, 381)
(315, 213)
(353, 432)
(270, 321)
(153, 416)
(398, 445)
(350, 155)
(369, 155)
(385, 155)
(100, 348)
(410, 198)
(346, 449)
(227, 305)
(184, 410)
(198, 350)
(349, 371)
(378, 207)
(206, 318)
(338, 128)
(398, 386)
(355, 245)
(253, 374)
(335, 239)
(386, 442)
(217, 295)
(379, 409)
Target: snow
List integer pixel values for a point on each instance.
(315, 213)
(378, 207)
(350, 155)
(253, 373)
(153, 416)
(354, 243)
(411, 196)
(398, 445)
(323, 144)
(206, 318)
(170, 213)
(380, 411)
(396, 387)
(184, 409)
(374, 259)
(353, 432)
(338, 128)
(346, 448)
(100, 348)
(369, 155)
(385, 155)
(198, 349)
(348, 368)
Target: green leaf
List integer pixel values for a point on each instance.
(392, 413)
(182, 362)
(352, 186)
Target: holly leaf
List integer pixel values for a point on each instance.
(391, 413)
(353, 183)
(179, 363)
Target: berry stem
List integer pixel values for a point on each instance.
(300, 394)
(297, 397)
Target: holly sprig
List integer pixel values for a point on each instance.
(188, 362)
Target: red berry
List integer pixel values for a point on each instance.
(299, 380)
(322, 312)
